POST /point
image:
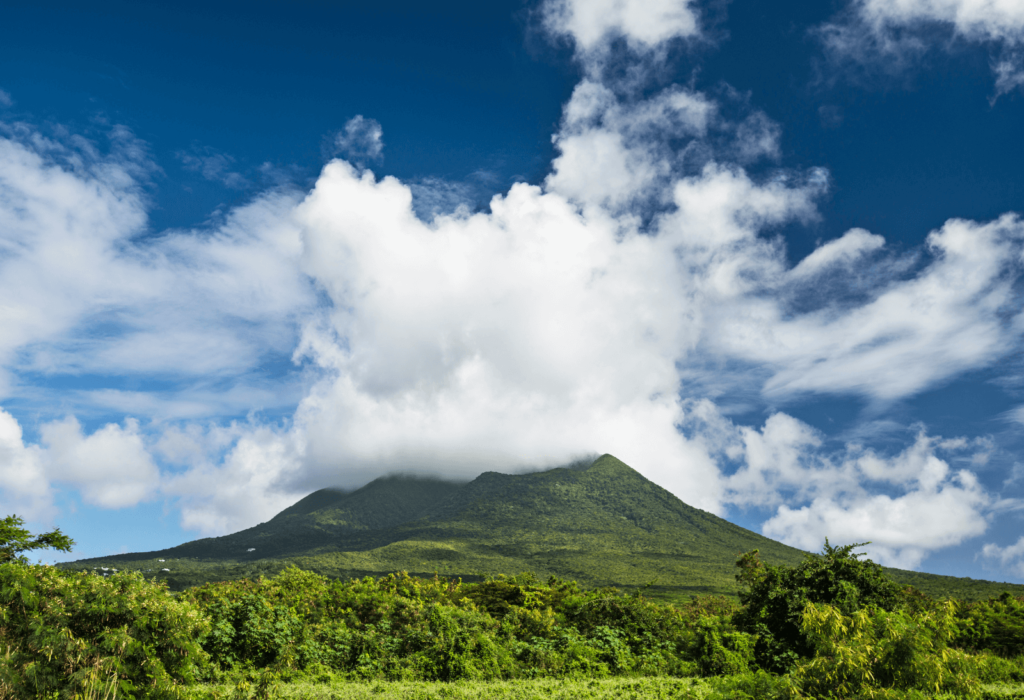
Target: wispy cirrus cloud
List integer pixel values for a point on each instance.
(214, 166)
(85, 295)
(894, 34)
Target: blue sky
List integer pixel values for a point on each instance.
(770, 257)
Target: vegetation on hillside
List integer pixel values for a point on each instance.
(599, 523)
(787, 625)
(832, 626)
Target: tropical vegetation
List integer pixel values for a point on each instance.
(764, 621)
(834, 626)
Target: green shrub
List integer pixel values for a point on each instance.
(775, 598)
(78, 634)
(401, 627)
(719, 651)
(995, 625)
(872, 651)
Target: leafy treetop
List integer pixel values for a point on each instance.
(775, 598)
(14, 539)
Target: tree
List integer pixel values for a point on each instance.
(776, 596)
(14, 539)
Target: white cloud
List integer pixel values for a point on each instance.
(584, 315)
(5, 99)
(111, 467)
(361, 139)
(817, 495)
(642, 23)
(486, 341)
(82, 292)
(757, 137)
(977, 20)
(902, 530)
(895, 31)
(950, 317)
(24, 488)
(247, 486)
(1009, 558)
(839, 253)
(1009, 70)
(614, 153)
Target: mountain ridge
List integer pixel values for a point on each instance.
(602, 524)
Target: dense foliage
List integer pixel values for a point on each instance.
(399, 627)
(776, 596)
(995, 625)
(834, 626)
(70, 635)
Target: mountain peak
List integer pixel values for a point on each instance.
(601, 523)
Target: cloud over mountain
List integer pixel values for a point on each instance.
(600, 310)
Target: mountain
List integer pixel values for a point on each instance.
(600, 523)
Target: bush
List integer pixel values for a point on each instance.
(719, 651)
(400, 627)
(776, 596)
(995, 625)
(71, 634)
(872, 650)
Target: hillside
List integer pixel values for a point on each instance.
(602, 524)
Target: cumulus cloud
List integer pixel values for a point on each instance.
(485, 339)
(907, 505)
(896, 32)
(225, 491)
(361, 139)
(24, 488)
(110, 468)
(615, 154)
(642, 23)
(1009, 558)
(590, 313)
(902, 530)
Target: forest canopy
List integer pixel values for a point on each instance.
(832, 626)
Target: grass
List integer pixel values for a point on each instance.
(547, 689)
(724, 688)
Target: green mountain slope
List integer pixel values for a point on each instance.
(603, 524)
